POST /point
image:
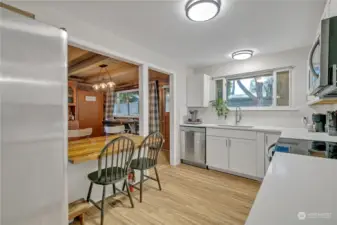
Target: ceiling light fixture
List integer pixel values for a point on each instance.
(202, 10)
(102, 86)
(242, 54)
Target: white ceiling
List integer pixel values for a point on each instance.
(265, 26)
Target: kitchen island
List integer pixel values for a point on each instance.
(297, 190)
(82, 158)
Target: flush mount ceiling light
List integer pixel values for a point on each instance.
(202, 10)
(242, 54)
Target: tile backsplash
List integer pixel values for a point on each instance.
(281, 118)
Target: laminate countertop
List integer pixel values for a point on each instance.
(297, 189)
(286, 133)
(83, 150)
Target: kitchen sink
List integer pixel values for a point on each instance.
(234, 126)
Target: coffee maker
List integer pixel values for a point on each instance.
(194, 117)
(319, 121)
(332, 123)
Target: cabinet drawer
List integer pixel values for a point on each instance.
(231, 133)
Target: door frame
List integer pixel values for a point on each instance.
(162, 103)
(174, 130)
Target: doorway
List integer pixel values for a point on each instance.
(159, 103)
(172, 154)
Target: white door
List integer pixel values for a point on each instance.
(242, 156)
(269, 140)
(217, 152)
(33, 107)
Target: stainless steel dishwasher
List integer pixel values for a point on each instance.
(193, 145)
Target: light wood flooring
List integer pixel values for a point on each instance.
(190, 195)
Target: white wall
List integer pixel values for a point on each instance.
(293, 118)
(105, 41)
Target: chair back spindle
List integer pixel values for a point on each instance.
(120, 152)
(149, 150)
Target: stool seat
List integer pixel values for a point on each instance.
(77, 210)
(113, 175)
(142, 163)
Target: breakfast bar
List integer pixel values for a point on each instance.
(84, 150)
(82, 158)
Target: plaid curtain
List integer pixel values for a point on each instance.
(110, 100)
(153, 106)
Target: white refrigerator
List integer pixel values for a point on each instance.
(33, 124)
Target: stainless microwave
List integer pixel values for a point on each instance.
(323, 61)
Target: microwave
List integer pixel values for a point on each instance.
(323, 61)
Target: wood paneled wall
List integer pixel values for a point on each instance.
(90, 113)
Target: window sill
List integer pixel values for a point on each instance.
(125, 116)
(286, 108)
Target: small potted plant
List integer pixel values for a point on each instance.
(221, 107)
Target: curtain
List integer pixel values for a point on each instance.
(153, 106)
(110, 100)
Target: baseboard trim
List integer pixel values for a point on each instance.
(236, 173)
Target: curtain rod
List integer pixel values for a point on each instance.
(256, 73)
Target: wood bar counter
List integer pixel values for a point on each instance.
(82, 160)
(83, 150)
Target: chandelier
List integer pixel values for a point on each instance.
(103, 86)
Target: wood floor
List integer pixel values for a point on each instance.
(190, 195)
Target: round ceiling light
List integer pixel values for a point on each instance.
(242, 55)
(202, 10)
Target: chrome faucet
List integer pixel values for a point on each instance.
(238, 115)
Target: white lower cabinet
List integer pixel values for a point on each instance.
(217, 152)
(232, 151)
(269, 139)
(242, 156)
(241, 152)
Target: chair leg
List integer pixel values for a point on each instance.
(102, 206)
(141, 185)
(81, 218)
(89, 192)
(157, 176)
(124, 185)
(129, 193)
(114, 189)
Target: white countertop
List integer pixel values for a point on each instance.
(289, 133)
(243, 127)
(303, 134)
(297, 186)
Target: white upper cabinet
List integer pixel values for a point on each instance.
(198, 90)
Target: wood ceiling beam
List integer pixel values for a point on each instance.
(91, 62)
(119, 72)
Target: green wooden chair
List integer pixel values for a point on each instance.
(147, 158)
(120, 152)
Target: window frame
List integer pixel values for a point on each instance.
(126, 116)
(257, 74)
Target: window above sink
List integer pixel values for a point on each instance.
(265, 90)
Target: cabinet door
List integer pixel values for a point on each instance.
(242, 156)
(198, 90)
(217, 152)
(269, 140)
